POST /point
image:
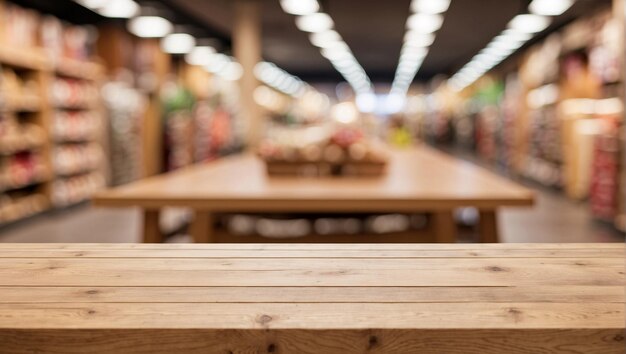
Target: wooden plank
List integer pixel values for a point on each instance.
(314, 315)
(329, 246)
(309, 272)
(302, 252)
(406, 294)
(203, 341)
(490, 298)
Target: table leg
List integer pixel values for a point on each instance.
(488, 226)
(202, 227)
(151, 229)
(444, 226)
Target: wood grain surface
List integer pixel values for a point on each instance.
(417, 179)
(318, 298)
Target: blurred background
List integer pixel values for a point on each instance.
(97, 93)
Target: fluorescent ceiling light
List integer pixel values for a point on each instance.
(345, 62)
(200, 55)
(366, 102)
(325, 38)
(149, 26)
(316, 22)
(119, 9)
(333, 54)
(421, 51)
(550, 7)
(232, 71)
(93, 4)
(300, 7)
(516, 35)
(529, 23)
(394, 103)
(424, 23)
(417, 39)
(218, 62)
(430, 6)
(505, 45)
(178, 43)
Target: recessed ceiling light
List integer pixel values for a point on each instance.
(424, 23)
(200, 55)
(316, 22)
(150, 26)
(550, 7)
(430, 6)
(178, 43)
(119, 9)
(300, 7)
(529, 23)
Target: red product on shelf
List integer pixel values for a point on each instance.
(605, 178)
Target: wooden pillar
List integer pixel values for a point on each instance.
(247, 51)
(151, 226)
(444, 226)
(152, 134)
(488, 227)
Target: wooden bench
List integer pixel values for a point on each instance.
(312, 298)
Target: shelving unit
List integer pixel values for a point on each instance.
(559, 118)
(77, 131)
(32, 135)
(25, 170)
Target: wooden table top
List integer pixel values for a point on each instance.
(416, 178)
(314, 298)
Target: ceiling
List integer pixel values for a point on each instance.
(372, 28)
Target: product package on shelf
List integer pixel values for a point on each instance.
(605, 191)
(21, 170)
(125, 108)
(19, 25)
(76, 126)
(74, 94)
(544, 163)
(67, 191)
(178, 121)
(219, 131)
(77, 131)
(73, 159)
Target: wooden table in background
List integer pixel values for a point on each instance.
(417, 180)
(317, 298)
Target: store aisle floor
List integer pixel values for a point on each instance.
(553, 219)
